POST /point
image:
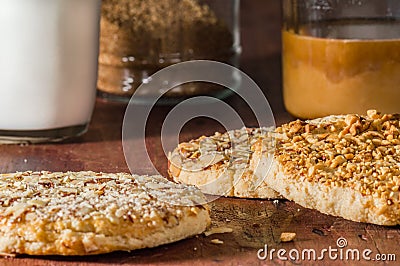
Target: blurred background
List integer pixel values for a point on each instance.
(261, 42)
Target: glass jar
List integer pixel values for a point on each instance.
(341, 56)
(48, 68)
(139, 38)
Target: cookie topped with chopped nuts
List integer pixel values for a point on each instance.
(82, 213)
(346, 166)
(223, 164)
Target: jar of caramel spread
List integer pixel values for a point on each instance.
(341, 57)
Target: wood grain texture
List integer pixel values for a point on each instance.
(254, 222)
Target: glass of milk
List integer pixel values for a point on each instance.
(48, 68)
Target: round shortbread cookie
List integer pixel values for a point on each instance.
(223, 164)
(82, 213)
(347, 166)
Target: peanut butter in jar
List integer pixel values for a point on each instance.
(343, 65)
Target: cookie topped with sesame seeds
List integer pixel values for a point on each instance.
(83, 213)
(346, 166)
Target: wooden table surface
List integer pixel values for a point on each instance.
(255, 223)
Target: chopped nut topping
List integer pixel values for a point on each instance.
(287, 237)
(218, 230)
(217, 241)
(232, 148)
(148, 200)
(359, 152)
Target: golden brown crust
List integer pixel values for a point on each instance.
(81, 213)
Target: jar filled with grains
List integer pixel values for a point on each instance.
(140, 37)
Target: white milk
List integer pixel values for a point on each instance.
(48, 63)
